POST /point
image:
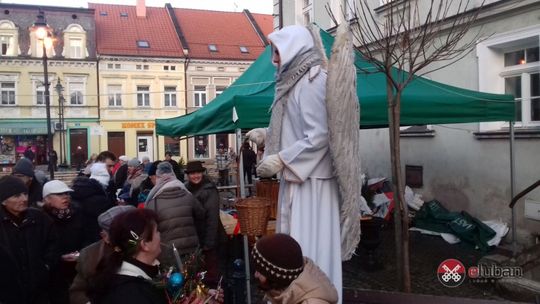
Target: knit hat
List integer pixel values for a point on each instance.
(279, 258)
(10, 186)
(134, 162)
(153, 168)
(194, 166)
(99, 172)
(25, 167)
(105, 219)
(164, 168)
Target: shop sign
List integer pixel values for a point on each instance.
(11, 130)
(138, 125)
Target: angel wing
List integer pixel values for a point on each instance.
(343, 112)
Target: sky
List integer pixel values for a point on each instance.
(254, 6)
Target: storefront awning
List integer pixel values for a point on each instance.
(24, 128)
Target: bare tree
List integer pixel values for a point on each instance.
(402, 43)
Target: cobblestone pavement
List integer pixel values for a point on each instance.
(426, 252)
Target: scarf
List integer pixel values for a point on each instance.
(285, 81)
(165, 181)
(60, 214)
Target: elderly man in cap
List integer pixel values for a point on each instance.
(24, 170)
(286, 276)
(28, 241)
(91, 255)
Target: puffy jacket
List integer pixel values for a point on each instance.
(30, 243)
(207, 194)
(92, 200)
(179, 213)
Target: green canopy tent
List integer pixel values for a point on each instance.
(245, 104)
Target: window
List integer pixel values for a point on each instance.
(7, 91)
(145, 67)
(201, 147)
(219, 90)
(117, 66)
(76, 92)
(110, 66)
(212, 48)
(143, 96)
(200, 68)
(170, 96)
(102, 13)
(115, 95)
(172, 146)
(509, 63)
(143, 44)
(244, 49)
(123, 14)
(75, 48)
(40, 93)
(199, 96)
(173, 68)
(5, 43)
(165, 67)
(142, 67)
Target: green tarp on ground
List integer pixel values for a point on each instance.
(246, 102)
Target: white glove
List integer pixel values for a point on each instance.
(269, 166)
(257, 135)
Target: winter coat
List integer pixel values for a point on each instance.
(132, 285)
(177, 169)
(120, 176)
(35, 192)
(70, 238)
(179, 214)
(207, 194)
(92, 201)
(30, 242)
(86, 267)
(311, 287)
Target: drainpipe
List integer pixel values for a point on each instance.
(98, 100)
(280, 14)
(513, 186)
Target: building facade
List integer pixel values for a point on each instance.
(467, 166)
(141, 78)
(72, 64)
(219, 47)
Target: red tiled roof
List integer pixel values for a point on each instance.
(118, 35)
(227, 30)
(265, 22)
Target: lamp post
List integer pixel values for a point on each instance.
(59, 89)
(43, 33)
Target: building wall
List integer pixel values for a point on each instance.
(129, 117)
(461, 170)
(212, 75)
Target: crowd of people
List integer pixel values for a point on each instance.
(75, 244)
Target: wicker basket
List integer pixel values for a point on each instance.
(269, 189)
(253, 214)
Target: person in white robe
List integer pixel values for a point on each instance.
(297, 147)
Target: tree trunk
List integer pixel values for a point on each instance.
(401, 220)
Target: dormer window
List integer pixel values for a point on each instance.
(103, 13)
(212, 48)
(9, 39)
(244, 50)
(123, 14)
(75, 42)
(143, 44)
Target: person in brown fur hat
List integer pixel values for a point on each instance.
(286, 276)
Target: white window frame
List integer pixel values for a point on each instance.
(492, 72)
(143, 93)
(9, 35)
(74, 85)
(170, 97)
(114, 91)
(76, 51)
(39, 90)
(200, 97)
(10, 93)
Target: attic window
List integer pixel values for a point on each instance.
(212, 47)
(244, 49)
(143, 44)
(123, 14)
(103, 14)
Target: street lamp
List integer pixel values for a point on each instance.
(59, 89)
(43, 33)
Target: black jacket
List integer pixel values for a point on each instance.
(30, 243)
(207, 194)
(92, 200)
(35, 192)
(133, 290)
(177, 169)
(120, 176)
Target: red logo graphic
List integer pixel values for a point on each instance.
(473, 272)
(451, 273)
